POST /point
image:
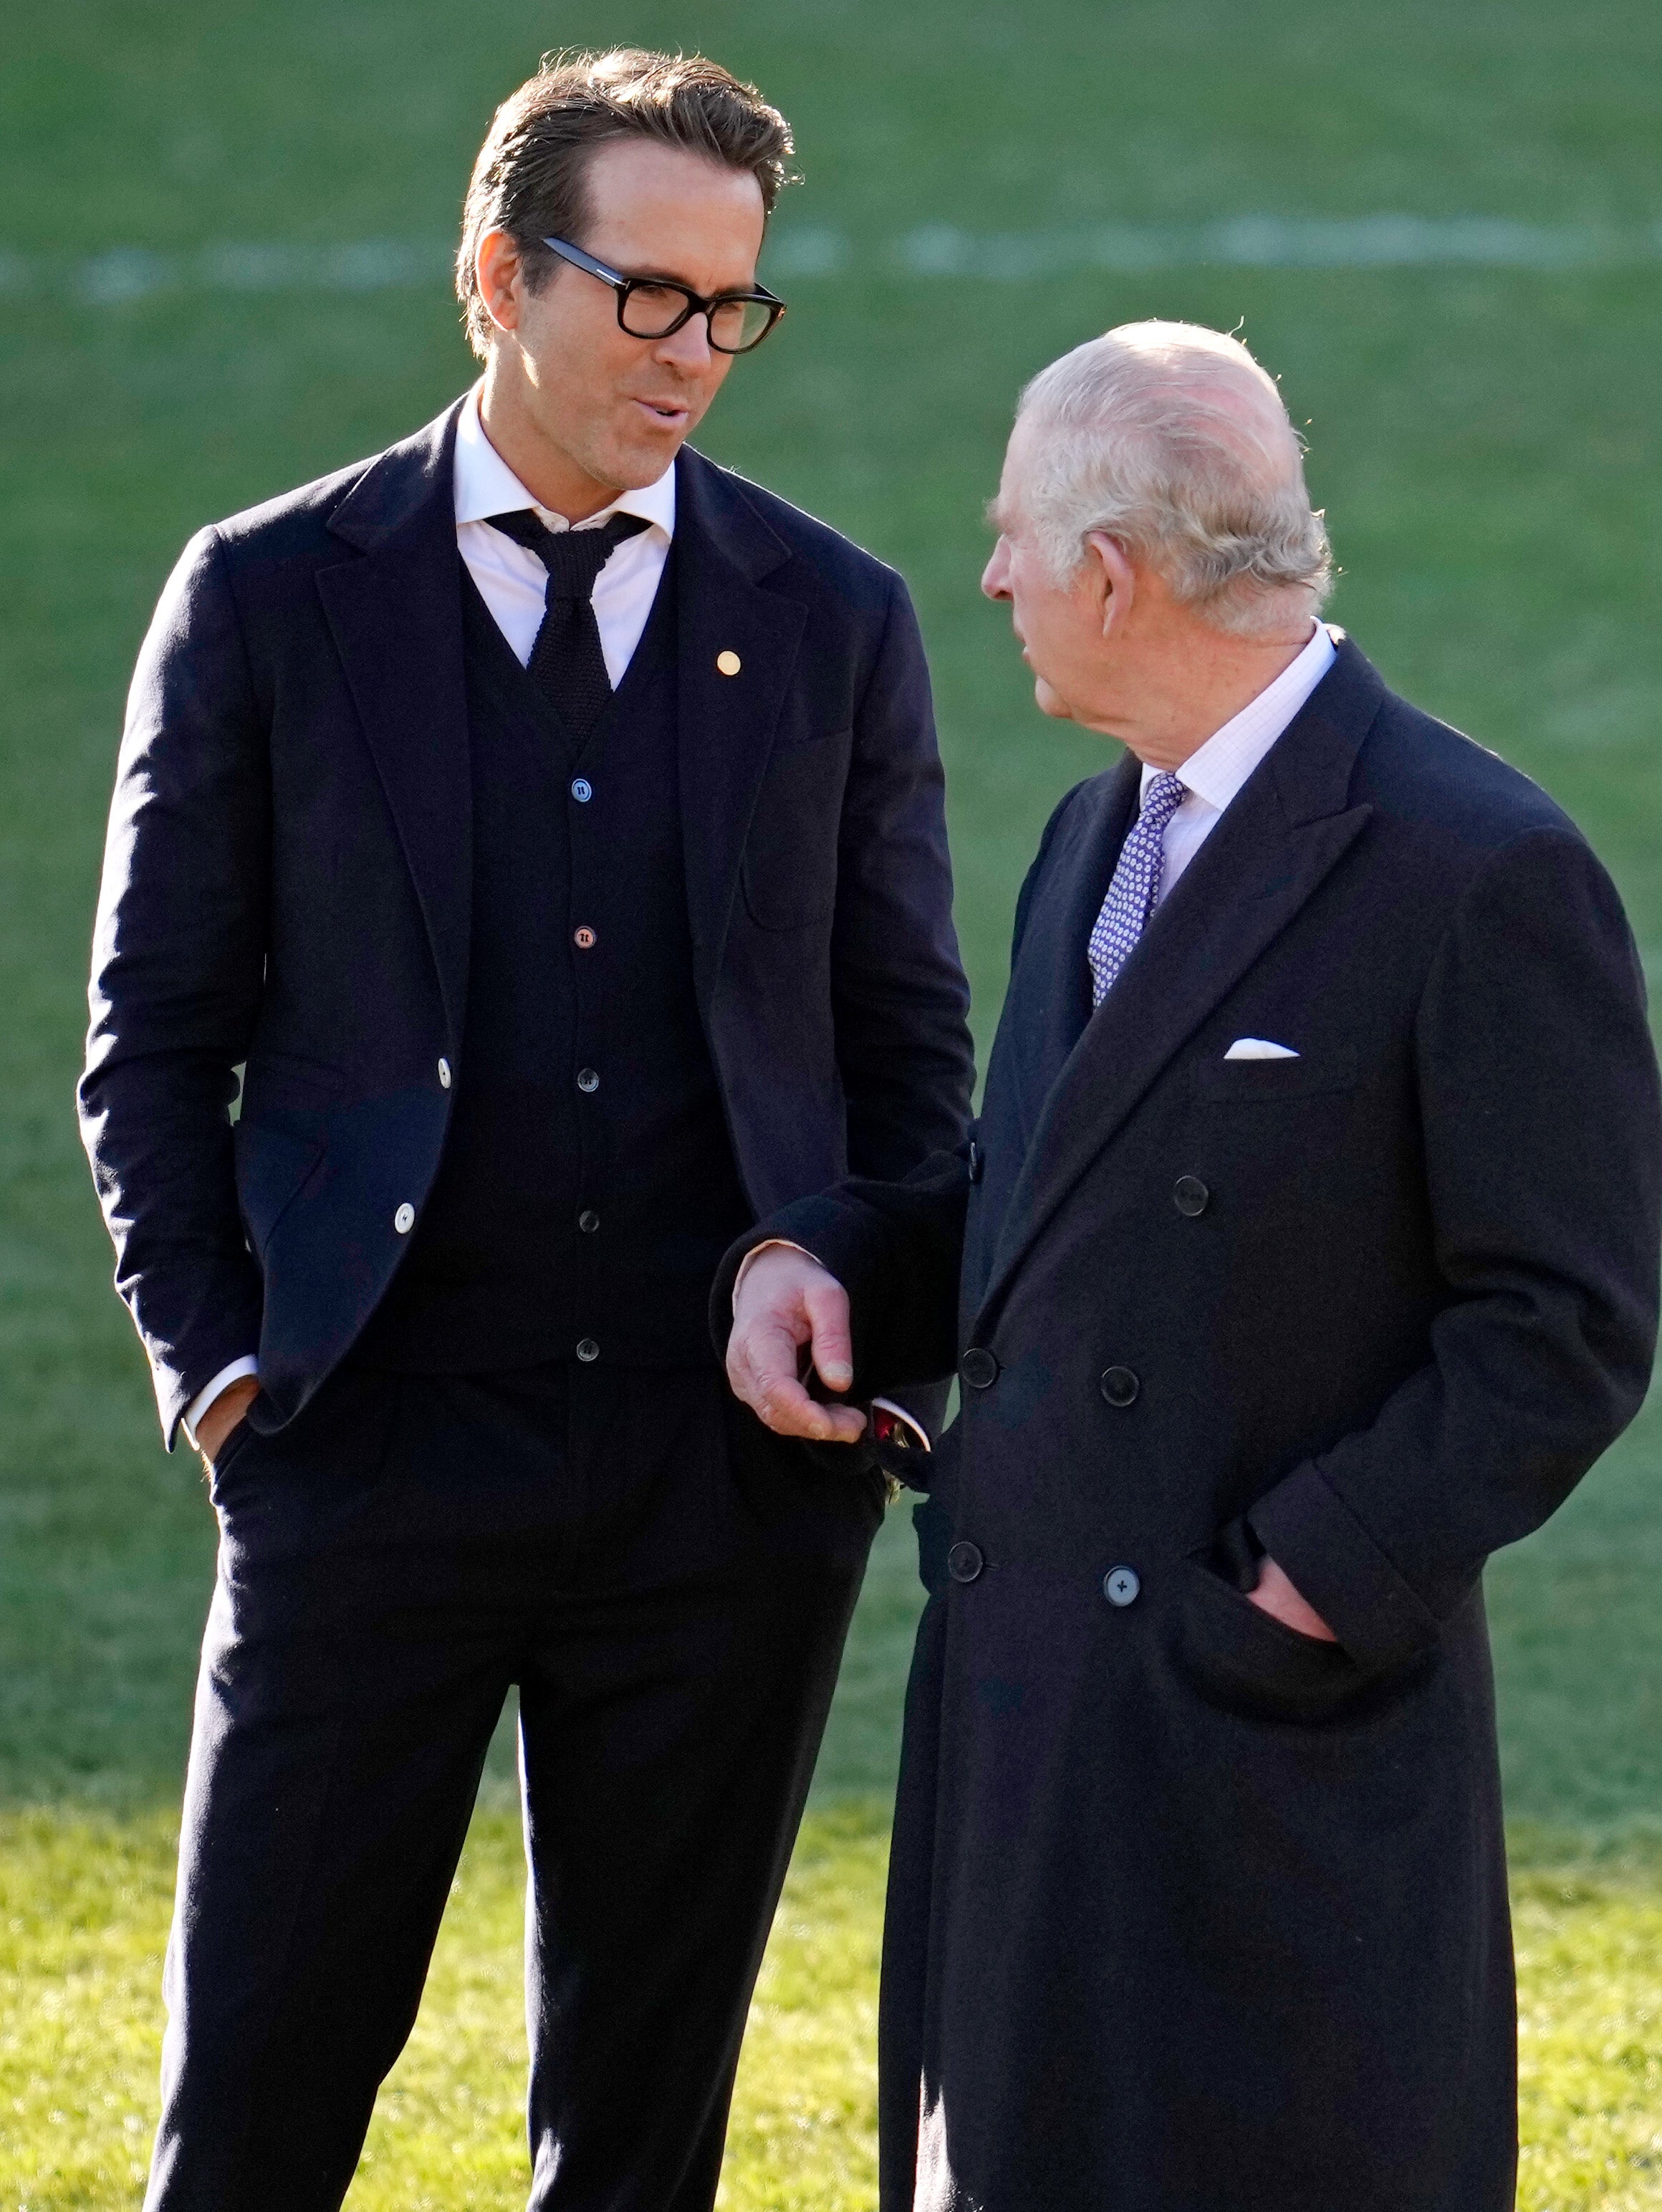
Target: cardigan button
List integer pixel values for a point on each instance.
(1119, 1386)
(964, 1562)
(1191, 1196)
(978, 1368)
(1120, 1586)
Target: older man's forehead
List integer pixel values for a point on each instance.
(1004, 508)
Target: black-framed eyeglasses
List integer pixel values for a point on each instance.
(656, 306)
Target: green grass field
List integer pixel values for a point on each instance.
(182, 332)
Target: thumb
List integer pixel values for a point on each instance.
(826, 1307)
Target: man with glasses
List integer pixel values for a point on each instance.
(550, 823)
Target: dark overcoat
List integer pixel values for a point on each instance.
(288, 884)
(1189, 1910)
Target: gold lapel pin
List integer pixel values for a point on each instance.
(729, 663)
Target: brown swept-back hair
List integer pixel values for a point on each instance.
(529, 178)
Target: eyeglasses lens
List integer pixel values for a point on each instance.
(651, 311)
(737, 325)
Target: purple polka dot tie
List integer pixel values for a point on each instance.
(1131, 895)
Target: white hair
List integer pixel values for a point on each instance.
(1171, 440)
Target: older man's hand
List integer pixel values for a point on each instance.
(1280, 1597)
(786, 1302)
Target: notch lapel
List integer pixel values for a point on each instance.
(725, 724)
(395, 612)
(1284, 834)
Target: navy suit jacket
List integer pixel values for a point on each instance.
(287, 886)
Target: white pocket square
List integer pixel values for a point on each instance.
(1259, 1049)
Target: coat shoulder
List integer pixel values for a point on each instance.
(293, 524)
(1432, 779)
(837, 562)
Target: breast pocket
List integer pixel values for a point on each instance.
(1306, 1077)
(789, 871)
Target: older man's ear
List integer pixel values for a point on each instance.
(1113, 579)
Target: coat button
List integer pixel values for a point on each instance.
(1121, 1585)
(583, 938)
(978, 1368)
(581, 790)
(444, 1074)
(1191, 1196)
(405, 1219)
(977, 1161)
(588, 1221)
(964, 1562)
(1119, 1386)
(589, 1351)
(588, 1080)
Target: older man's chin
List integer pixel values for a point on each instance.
(1051, 702)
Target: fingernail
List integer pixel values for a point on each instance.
(837, 1373)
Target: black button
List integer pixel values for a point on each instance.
(1189, 1195)
(1120, 1586)
(977, 1161)
(588, 1080)
(964, 1562)
(1119, 1386)
(588, 1221)
(589, 1351)
(978, 1368)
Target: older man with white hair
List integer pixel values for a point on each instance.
(1306, 1253)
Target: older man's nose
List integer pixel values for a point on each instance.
(996, 576)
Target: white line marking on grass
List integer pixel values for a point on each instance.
(1272, 241)
(807, 251)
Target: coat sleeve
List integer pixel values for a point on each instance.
(896, 1247)
(899, 998)
(178, 970)
(1543, 1145)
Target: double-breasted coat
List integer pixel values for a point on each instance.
(1187, 1910)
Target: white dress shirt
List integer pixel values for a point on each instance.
(1213, 773)
(513, 584)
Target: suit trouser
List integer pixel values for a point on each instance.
(669, 1587)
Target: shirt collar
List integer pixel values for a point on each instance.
(485, 485)
(1216, 771)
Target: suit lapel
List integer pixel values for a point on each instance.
(1284, 834)
(726, 723)
(395, 611)
(1048, 1001)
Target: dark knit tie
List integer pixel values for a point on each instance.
(566, 663)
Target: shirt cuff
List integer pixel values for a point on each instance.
(773, 1244)
(199, 1406)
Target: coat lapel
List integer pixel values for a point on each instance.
(726, 723)
(1285, 832)
(395, 611)
(1050, 996)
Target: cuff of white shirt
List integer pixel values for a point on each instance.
(191, 1417)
